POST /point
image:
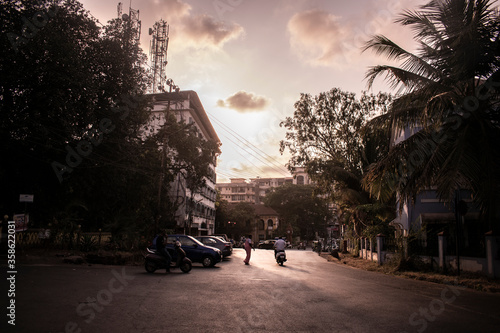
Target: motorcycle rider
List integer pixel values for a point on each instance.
(279, 246)
(159, 243)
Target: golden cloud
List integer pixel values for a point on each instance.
(243, 101)
(316, 36)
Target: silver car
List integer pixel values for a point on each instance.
(213, 241)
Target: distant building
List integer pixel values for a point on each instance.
(254, 189)
(197, 216)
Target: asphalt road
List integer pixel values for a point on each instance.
(308, 294)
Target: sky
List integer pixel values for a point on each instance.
(249, 61)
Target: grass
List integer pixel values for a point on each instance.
(473, 281)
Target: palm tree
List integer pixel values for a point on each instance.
(449, 95)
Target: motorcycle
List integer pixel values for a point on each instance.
(154, 261)
(280, 257)
(301, 246)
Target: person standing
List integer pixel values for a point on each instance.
(248, 249)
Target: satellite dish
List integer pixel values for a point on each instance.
(125, 17)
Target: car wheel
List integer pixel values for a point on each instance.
(208, 261)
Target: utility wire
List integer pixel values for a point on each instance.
(266, 159)
(245, 141)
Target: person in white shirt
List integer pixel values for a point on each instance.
(279, 246)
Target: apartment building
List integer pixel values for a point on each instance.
(254, 190)
(196, 212)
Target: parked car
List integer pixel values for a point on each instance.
(213, 241)
(223, 236)
(267, 244)
(195, 250)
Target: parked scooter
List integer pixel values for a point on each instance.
(154, 261)
(280, 257)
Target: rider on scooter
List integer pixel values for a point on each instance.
(279, 246)
(159, 243)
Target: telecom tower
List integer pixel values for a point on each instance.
(158, 54)
(132, 18)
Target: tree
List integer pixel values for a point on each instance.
(73, 115)
(450, 97)
(235, 220)
(327, 136)
(190, 157)
(300, 207)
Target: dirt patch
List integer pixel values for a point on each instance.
(469, 280)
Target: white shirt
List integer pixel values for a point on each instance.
(280, 245)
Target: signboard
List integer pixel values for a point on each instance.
(21, 221)
(26, 198)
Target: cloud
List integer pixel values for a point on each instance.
(317, 36)
(243, 101)
(197, 31)
(204, 30)
(322, 39)
(176, 8)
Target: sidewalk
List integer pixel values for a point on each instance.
(466, 279)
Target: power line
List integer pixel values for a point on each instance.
(245, 141)
(250, 153)
(268, 160)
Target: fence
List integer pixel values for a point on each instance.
(45, 239)
(437, 253)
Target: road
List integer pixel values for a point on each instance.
(308, 294)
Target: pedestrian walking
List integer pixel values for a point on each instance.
(248, 249)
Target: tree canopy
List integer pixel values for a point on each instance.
(73, 120)
(300, 207)
(450, 99)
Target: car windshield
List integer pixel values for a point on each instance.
(185, 240)
(207, 240)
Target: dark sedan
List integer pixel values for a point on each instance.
(267, 244)
(225, 247)
(195, 250)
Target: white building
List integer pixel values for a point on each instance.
(197, 216)
(254, 189)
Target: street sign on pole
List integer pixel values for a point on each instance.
(26, 197)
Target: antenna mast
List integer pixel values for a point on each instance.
(158, 54)
(132, 19)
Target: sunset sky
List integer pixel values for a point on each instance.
(249, 60)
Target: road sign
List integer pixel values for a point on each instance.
(26, 197)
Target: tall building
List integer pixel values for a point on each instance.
(196, 212)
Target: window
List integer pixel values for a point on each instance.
(300, 180)
(270, 223)
(261, 225)
(184, 240)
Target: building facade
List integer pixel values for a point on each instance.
(427, 216)
(196, 210)
(254, 190)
